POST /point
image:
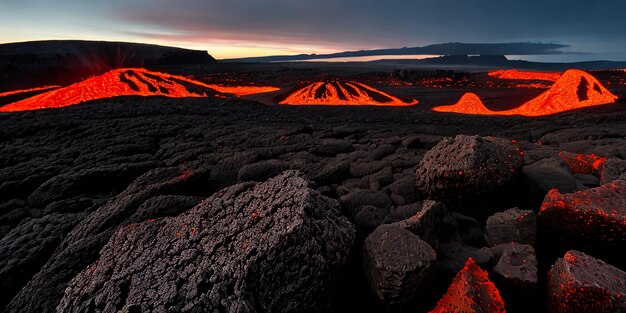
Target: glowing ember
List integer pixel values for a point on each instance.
(575, 89)
(594, 214)
(469, 104)
(523, 75)
(242, 90)
(119, 82)
(343, 93)
(587, 164)
(471, 291)
(15, 92)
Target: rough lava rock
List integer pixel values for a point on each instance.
(512, 225)
(266, 247)
(471, 291)
(398, 264)
(515, 274)
(580, 283)
(27, 247)
(468, 167)
(593, 215)
(426, 223)
(549, 173)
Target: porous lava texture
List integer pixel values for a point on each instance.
(471, 291)
(579, 283)
(266, 247)
(594, 215)
(468, 167)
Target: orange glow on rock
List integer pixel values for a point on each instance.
(119, 82)
(15, 92)
(597, 213)
(523, 75)
(575, 89)
(343, 93)
(471, 291)
(587, 164)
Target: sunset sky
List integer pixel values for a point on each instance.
(238, 28)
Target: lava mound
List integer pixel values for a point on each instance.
(119, 82)
(342, 93)
(575, 89)
(470, 103)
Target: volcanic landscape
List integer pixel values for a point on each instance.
(169, 182)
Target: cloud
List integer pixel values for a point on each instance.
(374, 23)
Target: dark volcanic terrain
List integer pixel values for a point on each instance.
(227, 201)
(99, 189)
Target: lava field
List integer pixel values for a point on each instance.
(314, 188)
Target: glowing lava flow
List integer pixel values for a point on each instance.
(575, 89)
(119, 82)
(343, 93)
(523, 75)
(242, 90)
(15, 92)
(471, 291)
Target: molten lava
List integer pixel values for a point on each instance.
(126, 82)
(470, 104)
(242, 90)
(523, 75)
(471, 291)
(587, 164)
(119, 82)
(16, 92)
(575, 89)
(343, 93)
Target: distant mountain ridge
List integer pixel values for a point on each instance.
(452, 48)
(60, 62)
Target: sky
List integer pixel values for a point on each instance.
(595, 30)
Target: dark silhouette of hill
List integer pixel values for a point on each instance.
(59, 62)
(453, 48)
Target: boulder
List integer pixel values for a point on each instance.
(398, 264)
(592, 216)
(247, 248)
(515, 274)
(468, 167)
(512, 225)
(451, 256)
(468, 228)
(426, 223)
(550, 173)
(26, 249)
(580, 283)
(613, 169)
(471, 291)
(370, 217)
(582, 163)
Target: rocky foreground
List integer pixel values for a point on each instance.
(194, 205)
